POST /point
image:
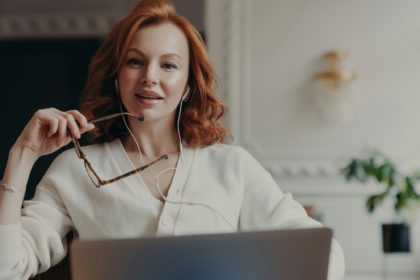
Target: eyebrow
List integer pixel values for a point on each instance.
(166, 55)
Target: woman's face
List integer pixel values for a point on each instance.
(154, 74)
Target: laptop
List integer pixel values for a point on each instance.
(297, 254)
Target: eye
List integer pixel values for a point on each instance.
(135, 61)
(169, 66)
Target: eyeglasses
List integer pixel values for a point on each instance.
(93, 175)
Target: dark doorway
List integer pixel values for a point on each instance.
(38, 74)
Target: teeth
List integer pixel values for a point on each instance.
(148, 97)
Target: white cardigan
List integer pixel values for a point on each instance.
(224, 177)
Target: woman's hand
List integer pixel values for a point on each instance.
(50, 129)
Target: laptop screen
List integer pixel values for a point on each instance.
(283, 254)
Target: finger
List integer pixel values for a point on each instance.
(79, 117)
(52, 126)
(56, 120)
(62, 130)
(44, 119)
(84, 125)
(72, 126)
(90, 127)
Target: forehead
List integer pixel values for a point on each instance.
(160, 39)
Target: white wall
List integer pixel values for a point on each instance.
(266, 53)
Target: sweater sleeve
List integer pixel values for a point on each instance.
(265, 206)
(37, 241)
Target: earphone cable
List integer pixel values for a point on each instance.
(170, 168)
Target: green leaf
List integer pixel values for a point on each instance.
(377, 166)
(401, 201)
(373, 201)
(349, 170)
(370, 204)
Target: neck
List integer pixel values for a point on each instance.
(154, 139)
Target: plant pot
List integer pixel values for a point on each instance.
(396, 238)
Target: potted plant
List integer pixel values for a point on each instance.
(399, 187)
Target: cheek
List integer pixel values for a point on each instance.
(127, 80)
(176, 84)
(128, 75)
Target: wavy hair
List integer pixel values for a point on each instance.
(200, 123)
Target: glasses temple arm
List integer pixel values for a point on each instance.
(140, 117)
(151, 163)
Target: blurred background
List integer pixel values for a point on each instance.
(309, 85)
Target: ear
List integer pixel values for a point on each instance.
(185, 96)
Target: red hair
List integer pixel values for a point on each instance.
(202, 111)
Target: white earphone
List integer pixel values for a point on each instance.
(117, 87)
(184, 97)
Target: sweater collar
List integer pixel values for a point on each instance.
(124, 164)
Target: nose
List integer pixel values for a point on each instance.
(149, 76)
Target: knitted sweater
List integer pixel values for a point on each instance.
(226, 185)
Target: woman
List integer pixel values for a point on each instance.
(151, 85)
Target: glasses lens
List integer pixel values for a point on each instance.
(92, 176)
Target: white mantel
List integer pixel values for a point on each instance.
(23, 19)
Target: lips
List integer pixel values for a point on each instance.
(151, 95)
